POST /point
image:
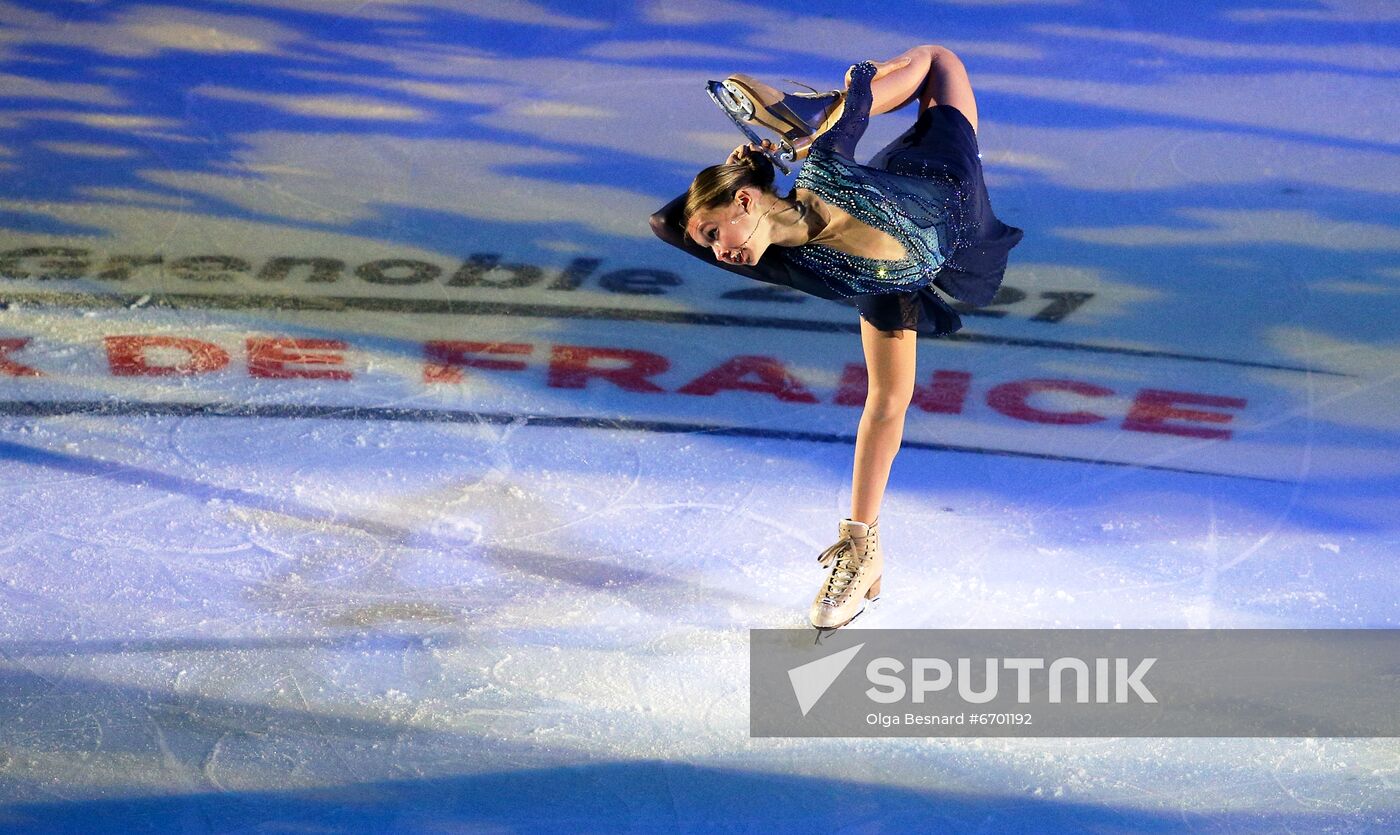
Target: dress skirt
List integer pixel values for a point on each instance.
(940, 144)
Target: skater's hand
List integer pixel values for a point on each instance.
(883, 68)
(745, 150)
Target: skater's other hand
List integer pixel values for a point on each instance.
(744, 150)
(883, 68)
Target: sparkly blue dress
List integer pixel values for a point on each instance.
(924, 189)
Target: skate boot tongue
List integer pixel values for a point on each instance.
(853, 529)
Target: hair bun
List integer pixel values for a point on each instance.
(762, 167)
(716, 185)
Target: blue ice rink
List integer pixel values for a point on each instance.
(368, 465)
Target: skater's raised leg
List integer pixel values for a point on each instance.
(933, 74)
(928, 73)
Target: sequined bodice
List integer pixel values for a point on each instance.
(922, 219)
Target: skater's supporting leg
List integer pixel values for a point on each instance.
(934, 74)
(890, 365)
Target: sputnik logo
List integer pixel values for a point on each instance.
(811, 680)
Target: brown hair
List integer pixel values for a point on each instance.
(716, 186)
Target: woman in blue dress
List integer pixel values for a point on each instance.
(888, 235)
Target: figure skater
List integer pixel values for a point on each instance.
(884, 235)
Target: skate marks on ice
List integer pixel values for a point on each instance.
(419, 554)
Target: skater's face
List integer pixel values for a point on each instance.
(736, 233)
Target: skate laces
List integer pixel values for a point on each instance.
(844, 565)
(814, 90)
